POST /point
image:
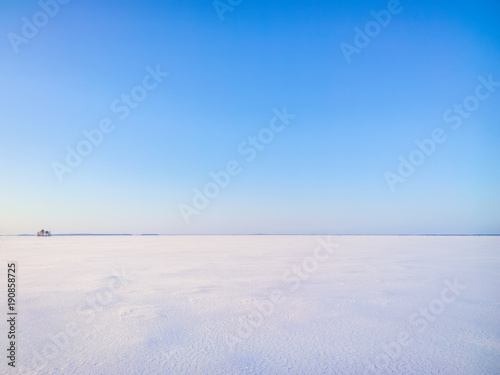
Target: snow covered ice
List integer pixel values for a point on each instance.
(256, 304)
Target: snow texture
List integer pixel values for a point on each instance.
(255, 304)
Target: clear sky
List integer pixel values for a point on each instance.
(353, 89)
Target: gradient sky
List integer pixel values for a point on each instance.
(324, 173)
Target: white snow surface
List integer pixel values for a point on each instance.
(254, 304)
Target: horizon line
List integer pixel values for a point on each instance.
(255, 234)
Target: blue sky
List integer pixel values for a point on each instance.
(326, 171)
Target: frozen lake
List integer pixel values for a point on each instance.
(255, 304)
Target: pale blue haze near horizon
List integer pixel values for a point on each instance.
(323, 174)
